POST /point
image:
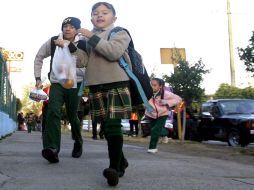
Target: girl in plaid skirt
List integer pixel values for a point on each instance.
(108, 83)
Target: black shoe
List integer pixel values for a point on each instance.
(50, 154)
(77, 150)
(130, 134)
(123, 166)
(101, 135)
(111, 175)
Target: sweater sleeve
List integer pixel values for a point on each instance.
(113, 48)
(43, 53)
(172, 99)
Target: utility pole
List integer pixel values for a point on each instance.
(231, 50)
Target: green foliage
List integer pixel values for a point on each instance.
(18, 105)
(248, 92)
(247, 55)
(186, 81)
(228, 91)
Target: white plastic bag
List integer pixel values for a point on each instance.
(38, 95)
(64, 67)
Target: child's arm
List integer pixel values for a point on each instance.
(170, 99)
(111, 49)
(115, 47)
(42, 53)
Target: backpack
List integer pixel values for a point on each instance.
(170, 89)
(138, 70)
(52, 51)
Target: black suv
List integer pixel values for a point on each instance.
(229, 120)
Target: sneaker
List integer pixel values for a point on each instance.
(164, 140)
(152, 150)
(111, 175)
(123, 166)
(50, 154)
(94, 138)
(77, 150)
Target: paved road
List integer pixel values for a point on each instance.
(23, 168)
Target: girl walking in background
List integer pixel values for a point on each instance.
(160, 113)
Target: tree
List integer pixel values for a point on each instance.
(228, 91)
(247, 55)
(18, 105)
(186, 81)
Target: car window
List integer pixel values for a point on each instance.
(206, 107)
(215, 111)
(228, 107)
(237, 106)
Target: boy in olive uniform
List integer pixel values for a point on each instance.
(59, 95)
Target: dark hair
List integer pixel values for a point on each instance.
(108, 5)
(160, 81)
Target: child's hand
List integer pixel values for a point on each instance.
(163, 102)
(38, 84)
(85, 32)
(62, 43)
(59, 43)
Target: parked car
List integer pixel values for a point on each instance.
(125, 126)
(228, 120)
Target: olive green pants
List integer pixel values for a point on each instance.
(57, 97)
(156, 127)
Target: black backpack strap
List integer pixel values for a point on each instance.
(82, 45)
(52, 51)
(53, 46)
(118, 29)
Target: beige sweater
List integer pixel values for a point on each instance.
(45, 51)
(103, 66)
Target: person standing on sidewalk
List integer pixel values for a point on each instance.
(21, 121)
(59, 95)
(108, 84)
(160, 112)
(94, 129)
(30, 122)
(133, 122)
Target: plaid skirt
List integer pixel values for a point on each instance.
(110, 101)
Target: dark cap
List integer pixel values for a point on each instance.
(75, 22)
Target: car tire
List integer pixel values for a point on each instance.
(233, 137)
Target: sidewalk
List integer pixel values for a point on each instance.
(23, 168)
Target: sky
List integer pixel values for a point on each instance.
(199, 26)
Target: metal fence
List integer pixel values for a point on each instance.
(7, 97)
